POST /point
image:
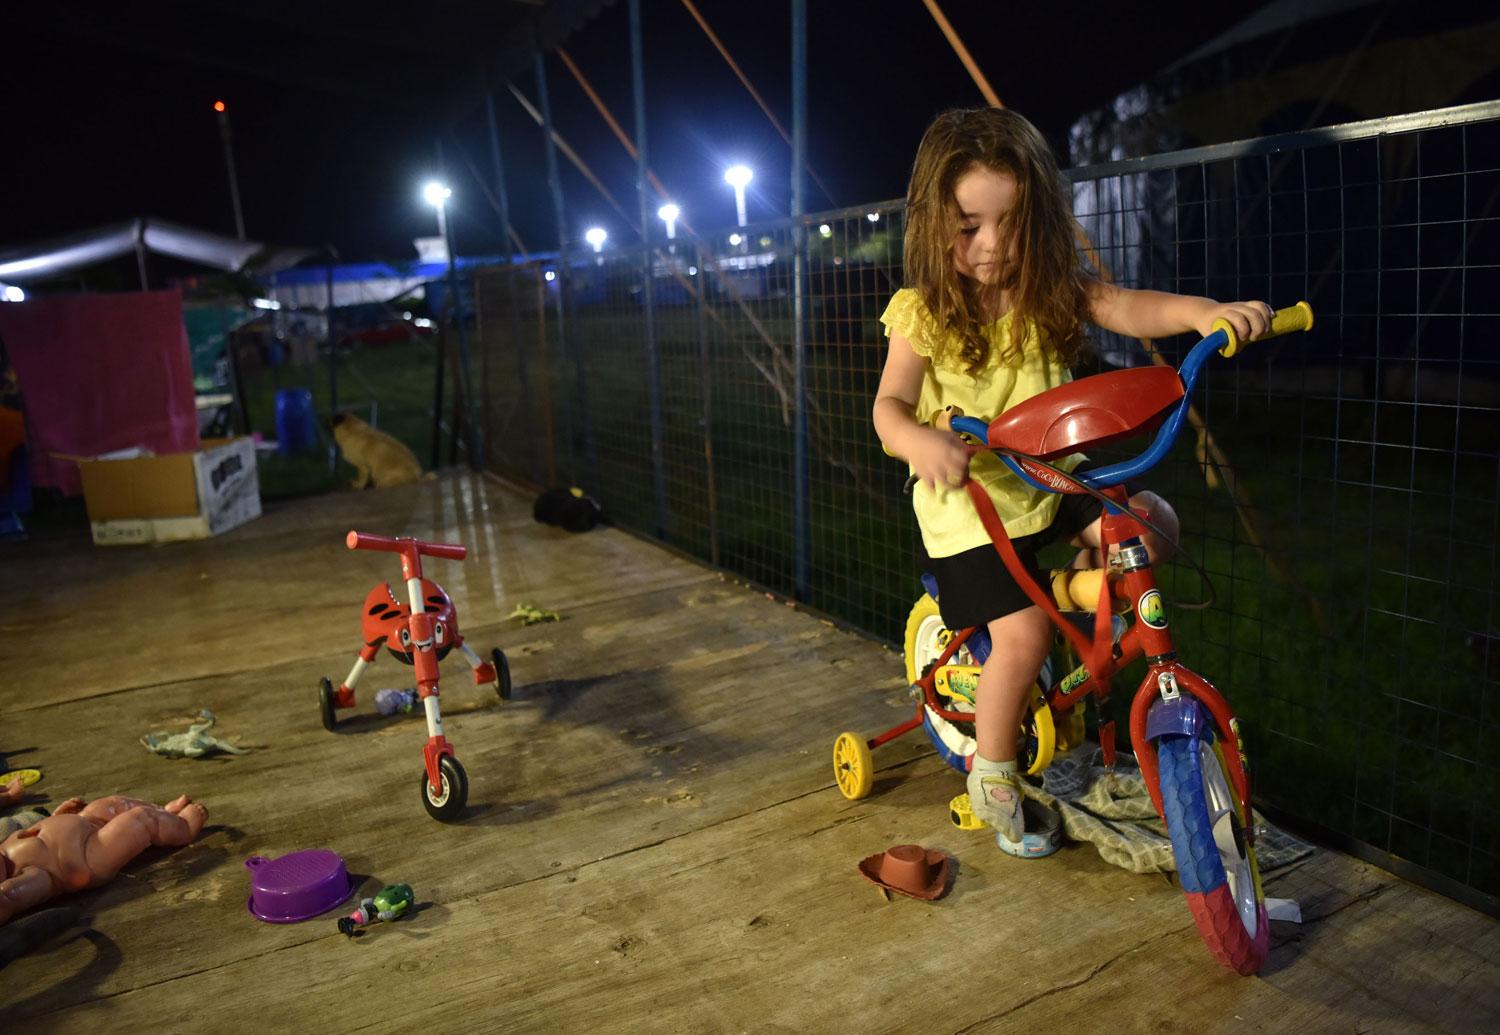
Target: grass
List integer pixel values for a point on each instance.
(390, 386)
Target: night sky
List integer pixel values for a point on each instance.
(104, 125)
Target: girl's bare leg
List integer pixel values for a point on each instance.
(1019, 644)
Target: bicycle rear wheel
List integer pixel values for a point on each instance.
(926, 637)
(1215, 862)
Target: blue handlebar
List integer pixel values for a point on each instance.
(1115, 474)
(972, 426)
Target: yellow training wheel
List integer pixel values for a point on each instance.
(27, 776)
(853, 769)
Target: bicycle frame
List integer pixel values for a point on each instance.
(1166, 678)
(1171, 698)
(1149, 635)
(1181, 728)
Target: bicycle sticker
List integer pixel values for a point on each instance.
(1073, 680)
(1151, 609)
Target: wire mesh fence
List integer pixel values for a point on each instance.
(387, 363)
(1339, 487)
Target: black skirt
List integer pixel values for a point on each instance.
(975, 587)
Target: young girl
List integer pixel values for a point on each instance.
(994, 313)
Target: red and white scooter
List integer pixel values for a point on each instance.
(419, 633)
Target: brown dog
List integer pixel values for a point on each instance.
(381, 461)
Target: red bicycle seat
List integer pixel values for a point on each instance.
(1093, 411)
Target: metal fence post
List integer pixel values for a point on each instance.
(801, 522)
(653, 361)
(584, 423)
(333, 367)
(523, 379)
(473, 435)
(705, 370)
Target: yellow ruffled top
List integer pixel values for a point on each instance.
(946, 515)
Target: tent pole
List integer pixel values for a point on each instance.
(140, 254)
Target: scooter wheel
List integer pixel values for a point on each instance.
(453, 792)
(502, 673)
(325, 705)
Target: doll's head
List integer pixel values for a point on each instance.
(990, 229)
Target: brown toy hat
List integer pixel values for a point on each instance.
(909, 869)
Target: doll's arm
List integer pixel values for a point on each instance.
(28, 887)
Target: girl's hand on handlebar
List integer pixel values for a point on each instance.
(1249, 319)
(939, 459)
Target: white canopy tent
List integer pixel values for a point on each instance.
(61, 255)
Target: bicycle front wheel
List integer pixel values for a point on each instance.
(1215, 862)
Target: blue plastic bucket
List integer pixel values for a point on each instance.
(295, 430)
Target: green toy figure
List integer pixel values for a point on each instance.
(388, 904)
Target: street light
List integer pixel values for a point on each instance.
(739, 177)
(668, 214)
(596, 236)
(437, 194)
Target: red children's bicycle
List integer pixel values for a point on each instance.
(420, 634)
(1185, 735)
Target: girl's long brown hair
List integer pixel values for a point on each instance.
(1048, 286)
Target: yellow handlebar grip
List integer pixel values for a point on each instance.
(1284, 321)
(944, 420)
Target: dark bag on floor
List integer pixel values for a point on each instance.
(570, 508)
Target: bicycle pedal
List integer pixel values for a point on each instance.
(961, 813)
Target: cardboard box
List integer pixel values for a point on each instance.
(159, 499)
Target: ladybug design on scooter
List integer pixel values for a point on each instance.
(385, 622)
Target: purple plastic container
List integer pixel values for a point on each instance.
(298, 886)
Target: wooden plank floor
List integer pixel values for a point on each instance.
(653, 843)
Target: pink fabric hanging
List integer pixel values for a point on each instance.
(101, 372)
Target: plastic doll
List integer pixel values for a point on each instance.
(84, 845)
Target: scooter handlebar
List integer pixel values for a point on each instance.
(400, 544)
